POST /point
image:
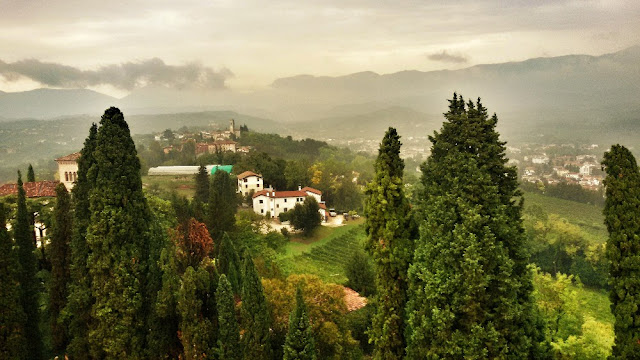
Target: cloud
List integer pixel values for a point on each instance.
(444, 56)
(125, 76)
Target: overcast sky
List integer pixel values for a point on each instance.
(115, 46)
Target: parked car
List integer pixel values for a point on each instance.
(332, 212)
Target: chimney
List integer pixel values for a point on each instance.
(299, 187)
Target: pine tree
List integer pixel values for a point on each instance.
(229, 332)
(229, 264)
(117, 238)
(469, 284)
(60, 272)
(80, 299)
(256, 320)
(389, 232)
(13, 343)
(23, 235)
(622, 218)
(222, 205)
(202, 185)
(31, 175)
(196, 329)
(299, 344)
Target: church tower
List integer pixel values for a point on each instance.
(232, 126)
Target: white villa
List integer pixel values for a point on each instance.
(68, 169)
(248, 181)
(277, 202)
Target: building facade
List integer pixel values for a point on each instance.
(278, 202)
(68, 169)
(248, 181)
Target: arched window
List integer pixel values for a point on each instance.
(66, 176)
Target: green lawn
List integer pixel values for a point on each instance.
(588, 217)
(183, 185)
(325, 257)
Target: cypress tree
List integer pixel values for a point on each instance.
(196, 329)
(222, 205)
(229, 332)
(23, 235)
(256, 320)
(80, 298)
(622, 218)
(60, 272)
(389, 231)
(202, 185)
(117, 238)
(299, 344)
(470, 287)
(229, 264)
(31, 175)
(13, 343)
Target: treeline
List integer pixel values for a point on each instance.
(566, 191)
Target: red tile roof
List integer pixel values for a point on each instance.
(247, 174)
(312, 190)
(224, 142)
(71, 157)
(280, 194)
(322, 206)
(32, 189)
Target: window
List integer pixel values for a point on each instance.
(245, 179)
(66, 176)
(261, 201)
(285, 200)
(277, 206)
(285, 209)
(261, 210)
(258, 185)
(246, 186)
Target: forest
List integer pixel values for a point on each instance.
(461, 262)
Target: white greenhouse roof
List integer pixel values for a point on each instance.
(178, 170)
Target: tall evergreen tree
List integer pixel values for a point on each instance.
(23, 235)
(60, 264)
(117, 238)
(622, 218)
(256, 320)
(202, 185)
(80, 298)
(196, 329)
(13, 343)
(299, 344)
(229, 332)
(31, 175)
(222, 205)
(389, 232)
(470, 287)
(229, 263)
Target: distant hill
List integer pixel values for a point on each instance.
(369, 125)
(50, 103)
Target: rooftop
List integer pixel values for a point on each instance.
(36, 189)
(71, 157)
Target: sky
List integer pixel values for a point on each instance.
(117, 46)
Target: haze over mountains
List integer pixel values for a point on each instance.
(577, 94)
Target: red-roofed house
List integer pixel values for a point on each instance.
(277, 202)
(32, 189)
(248, 181)
(68, 169)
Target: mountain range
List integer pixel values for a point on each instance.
(571, 95)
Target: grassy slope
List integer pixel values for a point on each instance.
(325, 257)
(183, 185)
(588, 217)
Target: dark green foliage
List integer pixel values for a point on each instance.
(80, 298)
(60, 268)
(165, 340)
(229, 332)
(117, 238)
(13, 343)
(196, 329)
(30, 289)
(359, 322)
(256, 320)
(31, 175)
(470, 287)
(360, 274)
(389, 243)
(299, 344)
(622, 218)
(306, 216)
(202, 185)
(229, 264)
(223, 205)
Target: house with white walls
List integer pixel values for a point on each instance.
(68, 169)
(248, 181)
(278, 202)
